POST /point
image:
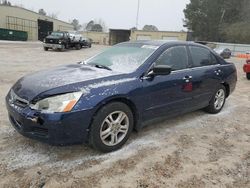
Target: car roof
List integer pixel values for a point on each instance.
(162, 42)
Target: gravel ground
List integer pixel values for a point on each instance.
(193, 150)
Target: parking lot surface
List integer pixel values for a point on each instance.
(193, 150)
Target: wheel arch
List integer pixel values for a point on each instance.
(124, 100)
(226, 85)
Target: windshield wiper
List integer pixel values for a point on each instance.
(101, 66)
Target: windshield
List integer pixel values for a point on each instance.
(57, 34)
(123, 58)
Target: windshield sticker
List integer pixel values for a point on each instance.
(150, 47)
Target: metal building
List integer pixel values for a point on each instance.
(121, 35)
(118, 35)
(97, 37)
(37, 26)
(158, 35)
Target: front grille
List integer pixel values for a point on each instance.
(52, 41)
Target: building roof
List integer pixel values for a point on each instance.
(33, 12)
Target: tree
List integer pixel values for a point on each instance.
(133, 29)
(5, 2)
(89, 25)
(150, 28)
(76, 25)
(42, 12)
(103, 24)
(210, 20)
(97, 28)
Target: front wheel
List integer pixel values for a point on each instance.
(111, 127)
(217, 102)
(78, 46)
(45, 48)
(62, 49)
(248, 76)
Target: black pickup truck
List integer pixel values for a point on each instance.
(61, 40)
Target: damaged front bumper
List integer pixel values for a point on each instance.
(55, 129)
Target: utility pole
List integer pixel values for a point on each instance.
(137, 17)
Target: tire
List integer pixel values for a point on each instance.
(248, 76)
(90, 46)
(62, 49)
(45, 48)
(218, 101)
(78, 47)
(104, 122)
(67, 46)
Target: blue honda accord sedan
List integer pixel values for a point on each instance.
(101, 100)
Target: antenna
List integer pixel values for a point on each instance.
(137, 17)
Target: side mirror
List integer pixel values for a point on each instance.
(160, 70)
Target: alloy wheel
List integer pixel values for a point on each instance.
(219, 99)
(114, 128)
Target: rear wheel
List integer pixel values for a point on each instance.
(217, 102)
(248, 76)
(111, 127)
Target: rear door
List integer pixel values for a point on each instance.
(169, 94)
(206, 75)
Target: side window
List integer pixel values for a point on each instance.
(202, 57)
(175, 57)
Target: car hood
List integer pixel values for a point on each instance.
(32, 85)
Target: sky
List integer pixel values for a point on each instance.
(166, 15)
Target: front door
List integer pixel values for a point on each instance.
(169, 94)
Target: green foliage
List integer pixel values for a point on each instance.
(42, 12)
(150, 28)
(94, 26)
(218, 20)
(97, 28)
(5, 2)
(76, 25)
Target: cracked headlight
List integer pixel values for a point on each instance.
(58, 103)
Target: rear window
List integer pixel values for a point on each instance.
(202, 57)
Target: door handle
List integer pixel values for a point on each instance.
(187, 78)
(217, 72)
